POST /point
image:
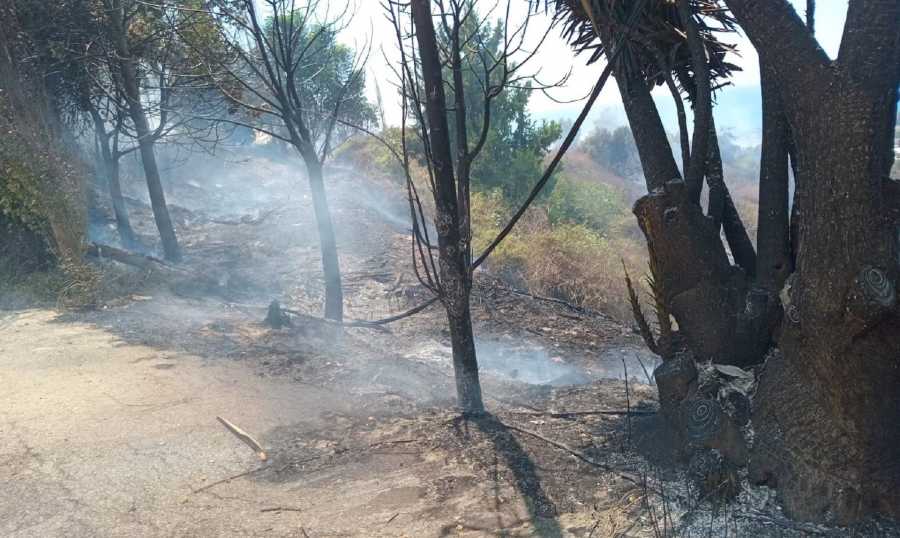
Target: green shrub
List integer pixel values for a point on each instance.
(592, 204)
(43, 208)
(42, 185)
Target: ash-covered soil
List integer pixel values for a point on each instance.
(109, 426)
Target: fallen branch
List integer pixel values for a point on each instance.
(564, 414)
(150, 263)
(245, 437)
(280, 509)
(140, 261)
(348, 323)
(580, 455)
(781, 522)
(395, 442)
(580, 309)
(411, 312)
(374, 325)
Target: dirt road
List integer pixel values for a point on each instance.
(99, 437)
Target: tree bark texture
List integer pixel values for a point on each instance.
(691, 269)
(774, 263)
(654, 150)
(723, 211)
(827, 408)
(721, 206)
(455, 276)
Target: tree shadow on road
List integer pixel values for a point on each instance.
(541, 509)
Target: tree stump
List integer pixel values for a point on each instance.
(276, 317)
(703, 290)
(707, 425)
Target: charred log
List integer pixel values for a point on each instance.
(184, 281)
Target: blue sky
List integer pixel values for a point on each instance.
(738, 105)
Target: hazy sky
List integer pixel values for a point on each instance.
(737, 107)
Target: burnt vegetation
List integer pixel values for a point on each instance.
(762, 280)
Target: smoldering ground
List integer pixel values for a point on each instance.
(244, 215)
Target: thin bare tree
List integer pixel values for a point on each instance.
(272, 72)
(442, 45)
(117, 17)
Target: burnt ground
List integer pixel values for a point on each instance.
(109, 426)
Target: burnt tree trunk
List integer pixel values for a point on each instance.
(827, 408)
(690, 267)
(722, 209)
(455, 272)
(773, 238)
(279, 61)
(334, 294)
(128, 72)
(704, 292)
(123, 223)
(650, 136)
(110, 164)
(721, 315)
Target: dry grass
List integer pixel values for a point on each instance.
(566, 261)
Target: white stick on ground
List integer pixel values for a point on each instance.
(245, 437)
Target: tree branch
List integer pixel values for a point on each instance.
(870, 49)
(693, 176)
(783, 41)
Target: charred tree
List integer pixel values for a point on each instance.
(447, 45)
(128, 71)
(691, 268)
(270, 73)
(107, 143)
(775, 259)
(828, 400)
(331, 268)
(827, 408)
(825, 281)
(455, 272)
